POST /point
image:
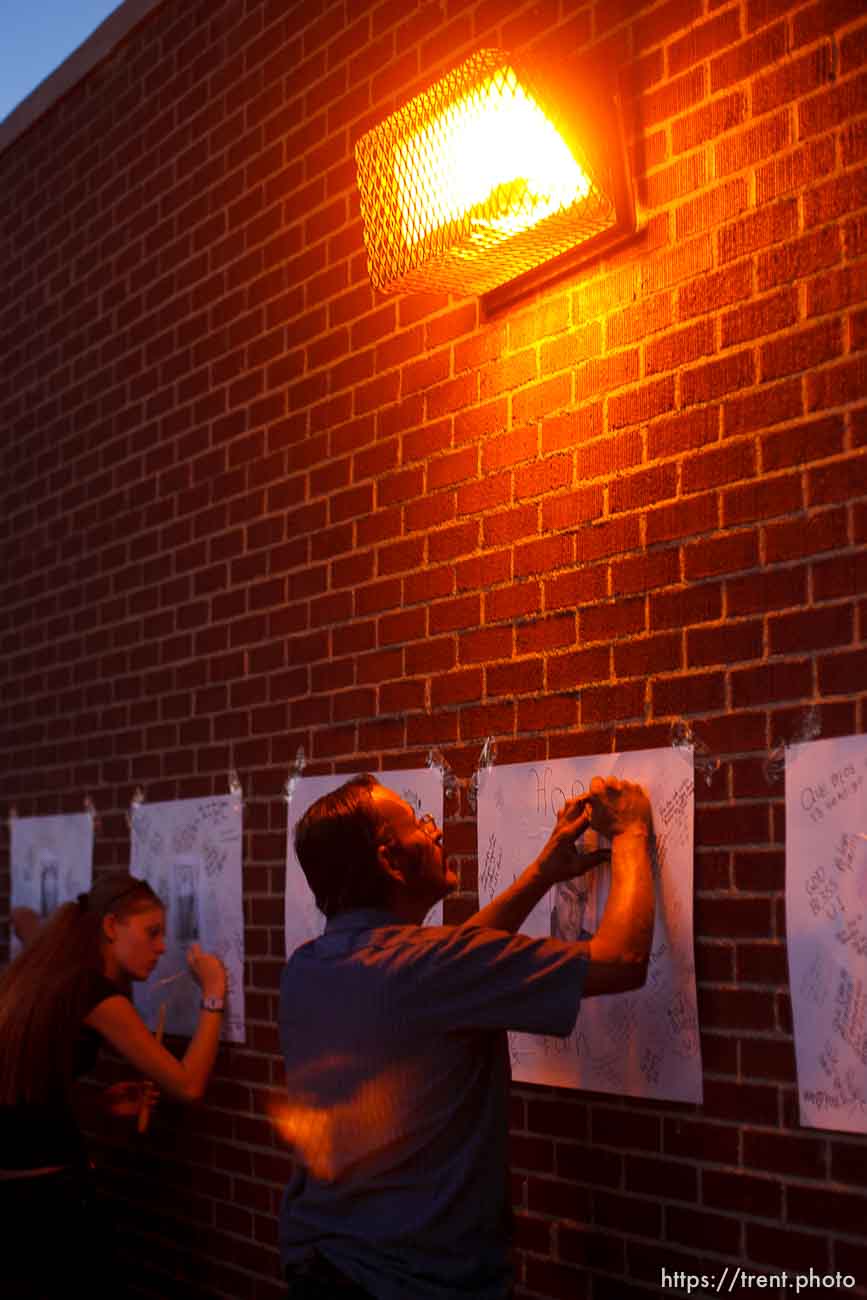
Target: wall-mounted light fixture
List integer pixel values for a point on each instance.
(483, 179)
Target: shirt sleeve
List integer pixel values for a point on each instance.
(470, 977)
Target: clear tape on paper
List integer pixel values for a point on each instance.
(437, 761)
(13, 812)
(236, 790)
(138, 798)
(296, 768)
(90, 809)
(487, 758)
(683, 737)
(809, 728)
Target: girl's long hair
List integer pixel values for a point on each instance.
(43, 992)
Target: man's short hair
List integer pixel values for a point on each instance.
(336, 842)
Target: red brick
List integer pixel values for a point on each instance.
(702, 40)
(791, 539)
(750, 146)
(672, 351)
(731, 643)
(768, 225)
(576, 587)
(605, 539)
(646, 487)
(542, 556)
(673, 98)
(835, 198)
(837, 481)
(543, 477)
(714, 556)
(841, 674)
(550, 633)
(683, 518)
(646, 656)
(642, 573)
(772, 405)
(512, 602)
(677, 609)
(715, 466)
(450, 615)
(510, 449)
(837, 385)
(571, 508)
(756, 319)
(635, 323)
(577, 669)
(718, 289)
(847, 98)
(601, 704)
(683, 177)
(707, 123)
(600, 458)
(541, 399)
(612, 621)
(712, 209)
(795, 170)
(688, 693)
(704, 383)
(508, 373)
(606, 373)
(801, 350)
(485, 644)
(510, 525)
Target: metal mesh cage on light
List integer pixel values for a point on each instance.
(478, 180)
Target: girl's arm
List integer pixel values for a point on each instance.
(117, 1020)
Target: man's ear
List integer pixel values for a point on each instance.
(109, 927)
(390, 865)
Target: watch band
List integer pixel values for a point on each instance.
(213, 1004)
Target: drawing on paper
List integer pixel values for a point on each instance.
(189, 852)
(826, 923)
(52, 862)
(644, 1043)
(421, 787)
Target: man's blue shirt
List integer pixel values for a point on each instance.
(394, 1038)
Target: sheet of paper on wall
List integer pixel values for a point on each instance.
(189, 852)
(52, 862)
(826, 925)
(644, 1043)
(421, 787)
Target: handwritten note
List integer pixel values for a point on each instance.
(189, 852)
(52, 862)
(645, 1043)
(421, 787)
(826, 920)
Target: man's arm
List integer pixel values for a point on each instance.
(559, 860)
(617, 954)
(620, 948)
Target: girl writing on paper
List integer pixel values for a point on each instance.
(65, 993)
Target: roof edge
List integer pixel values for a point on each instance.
(75, 68)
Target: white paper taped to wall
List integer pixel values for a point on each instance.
(52, 862)
(826, 924)
(644, 1043)
(421, 787)
(189, 852)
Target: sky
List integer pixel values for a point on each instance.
(35, 38)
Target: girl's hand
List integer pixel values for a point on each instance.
(208, 971)
(125, 1100)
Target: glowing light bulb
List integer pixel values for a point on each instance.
(492, 156)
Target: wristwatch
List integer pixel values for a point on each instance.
(213, 1004)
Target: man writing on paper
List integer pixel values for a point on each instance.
(394, 1037)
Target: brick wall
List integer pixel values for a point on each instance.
(248, 505)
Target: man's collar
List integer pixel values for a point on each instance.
(362, 918)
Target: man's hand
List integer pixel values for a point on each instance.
(618, 808)
(561, 858)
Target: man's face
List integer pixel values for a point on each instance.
(416, 847)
